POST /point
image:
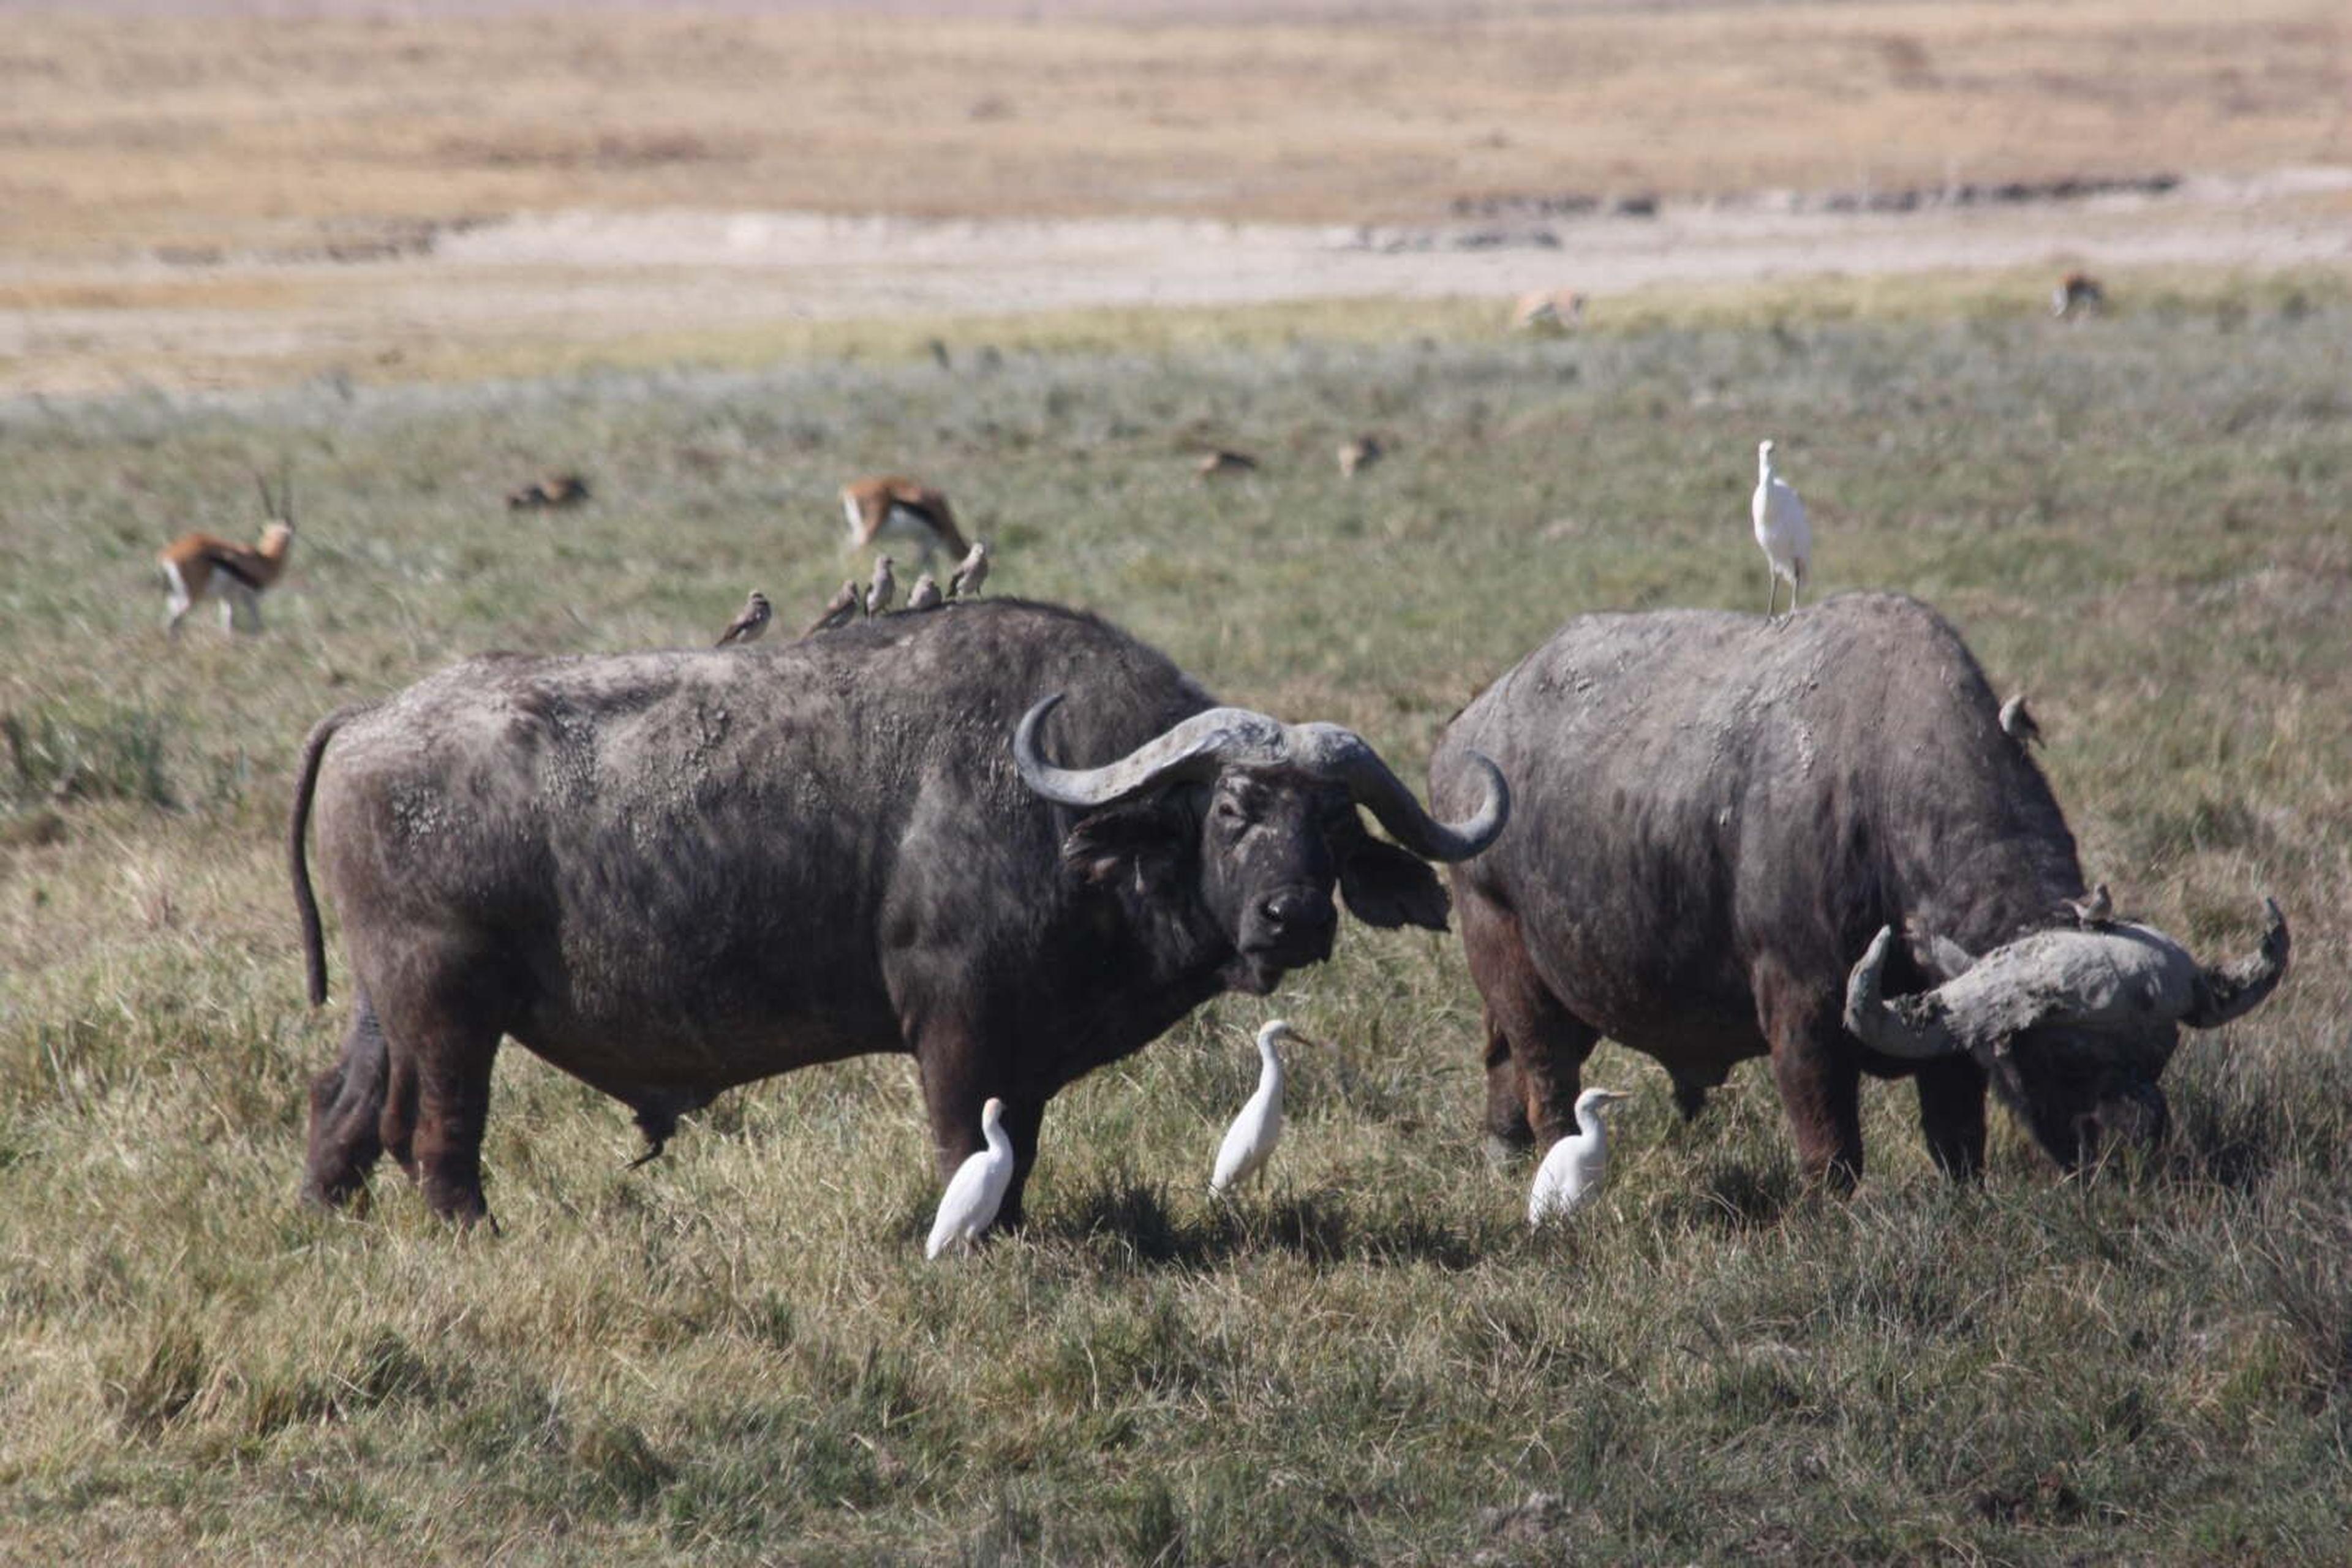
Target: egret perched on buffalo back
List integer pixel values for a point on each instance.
(1572, 1173)
(1251, 1138)
(969, 1205)
(1786, 538)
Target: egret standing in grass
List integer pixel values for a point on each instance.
(1781, 531)
(1572, 1173)
(969, 1205)
(1251, 1138)
(2017, 722)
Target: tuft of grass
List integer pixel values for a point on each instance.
(59, 757)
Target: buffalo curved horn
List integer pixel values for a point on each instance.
(2234, 990)
(1196, 748)
(1191, 750)
(1903, 1028)
(2125, 975)
(1342, 754)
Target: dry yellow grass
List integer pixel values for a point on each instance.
(194, 129)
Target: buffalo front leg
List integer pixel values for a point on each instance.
(958, 1081)
(1820, 1082)
(1023, 1116)
(346, 1102)
(1535, 1047)
(1506, 1094)
(1952, 1116)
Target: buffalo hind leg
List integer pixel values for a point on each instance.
(1535, 1047)
(1952, 1116)
(346, 1103)
(442, 1051)
(1820, 1082)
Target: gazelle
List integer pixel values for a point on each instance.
(889, 506)
(557, 491)
(196, 564)
(1549, 310)
(2077, 294)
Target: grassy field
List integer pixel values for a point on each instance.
(210, 123)
(739, 1353)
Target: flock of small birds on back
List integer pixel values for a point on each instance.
(197, 565)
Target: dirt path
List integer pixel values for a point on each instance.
(496, 293)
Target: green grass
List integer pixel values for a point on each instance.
(738, 1353)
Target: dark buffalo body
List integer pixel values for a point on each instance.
(671, 873)
(1713, 816)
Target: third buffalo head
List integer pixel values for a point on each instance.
(1249, 824)
(2073, 1026)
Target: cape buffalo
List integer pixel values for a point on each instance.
(671, 873)
(1717, 827)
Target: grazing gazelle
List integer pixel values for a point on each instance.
(1359, 454)
(2077, 294)
(889, 506)
(196, 564)
(556, 490)
(1547, 310)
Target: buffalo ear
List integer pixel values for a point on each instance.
(1141, 843)
(1388, 887)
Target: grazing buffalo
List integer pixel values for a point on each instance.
(671, 873)
(1719, 829)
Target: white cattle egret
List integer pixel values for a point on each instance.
(2017, 722)
(1786, 538)
(968, 1206)
(1251, 1138)
(1572, 1173)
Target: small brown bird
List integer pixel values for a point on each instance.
(1359, 454)
(2017, 722)
(883, 588)
(2095, 912)
(926, 594)
(965, 584)
(839, 611)
(1222, 462)
(748, 627)
(556, 491)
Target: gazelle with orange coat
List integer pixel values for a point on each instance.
(196, 564)
(888, 507)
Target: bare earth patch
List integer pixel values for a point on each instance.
(521, 292)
